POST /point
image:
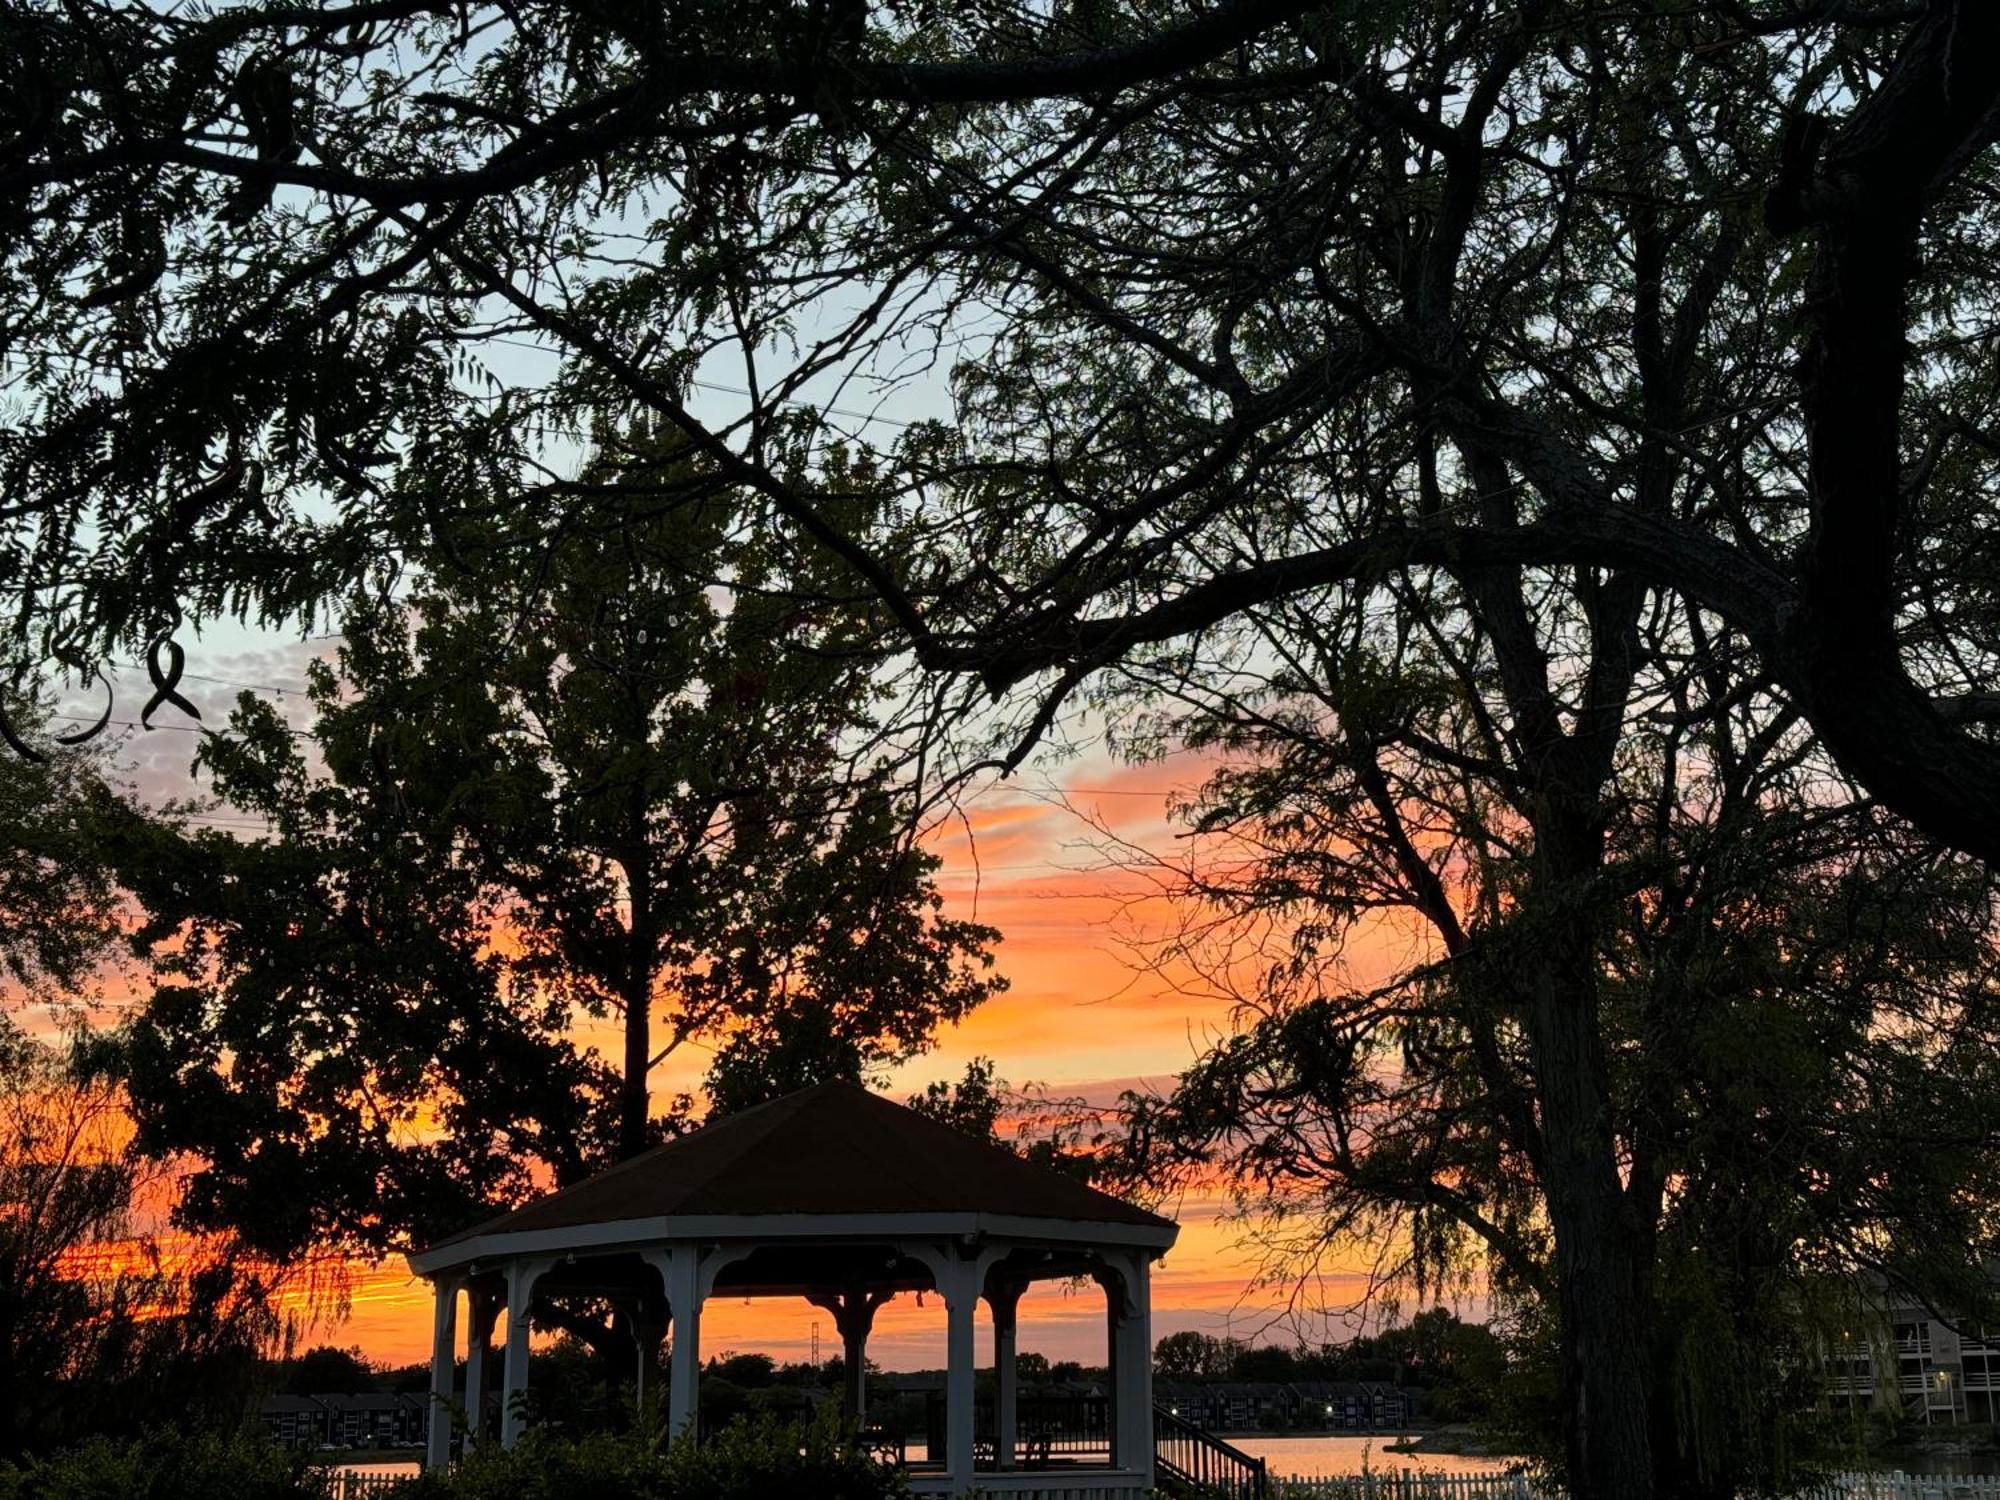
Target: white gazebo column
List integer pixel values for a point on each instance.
(521, 1278)
(1004, 1302)
(1128, 1296)
(680, 1271)
(684, 1382)
(961, 1301)
(483, 1309)
(853, 1310)
(959, 1282)
(444, 1358)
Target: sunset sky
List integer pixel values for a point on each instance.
(1049, 860)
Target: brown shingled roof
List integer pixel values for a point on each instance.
(831, 1149)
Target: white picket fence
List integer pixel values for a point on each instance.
(1901, 1486)
(348, 1485)
(1408, 1484)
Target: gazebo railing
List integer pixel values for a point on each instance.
(1047, 1429)
(1050, 1432)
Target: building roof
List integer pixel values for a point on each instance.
(834, 1149)
(361, 1400)
(280, 1404)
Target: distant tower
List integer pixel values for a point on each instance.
(815, 1352)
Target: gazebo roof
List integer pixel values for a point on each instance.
(834, 1150)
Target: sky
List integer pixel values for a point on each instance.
(1054, 860)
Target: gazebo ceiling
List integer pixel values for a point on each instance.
(835, 1151)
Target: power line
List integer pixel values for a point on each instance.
(732, 390)
(298, 691)
(714, 386)
(301, 734)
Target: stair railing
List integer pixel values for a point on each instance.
(1192, 1461)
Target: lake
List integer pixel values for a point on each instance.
(1308, 1457)
(1323, 1457)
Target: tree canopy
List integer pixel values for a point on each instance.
(103, 1329)
(59, 918)
(1516, 323)
(576, 809)
(1784, 1000)
(1693, 295)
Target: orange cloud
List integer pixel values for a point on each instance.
(1071, 877)
(1062, 875)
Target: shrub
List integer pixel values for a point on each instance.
(775, 1457)
(549, 1465)
(769, 1459)
(166, 1465)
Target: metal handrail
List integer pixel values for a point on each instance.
(1194, 1461)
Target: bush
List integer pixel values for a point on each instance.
(769, 1459)
(166, 1465)
(548, 1465)
(776, 1458)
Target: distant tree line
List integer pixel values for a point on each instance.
(1460, 1366)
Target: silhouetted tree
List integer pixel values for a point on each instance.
(325, 1368)
(104, 1329)
(1191, 1355)
(1771, 983)
(1273, 302)
(629, 775)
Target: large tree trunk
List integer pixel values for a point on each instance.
(1601, 1282)
(1606, 1405)
(1937, 109)
(635, 1099)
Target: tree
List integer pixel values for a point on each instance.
(753, 1372)
(627, 773)
(1774, 983)
(1461, 155)
(1265, 1362)
(1192, 1355)
(103, 1330)
(974, 1103)
(58, 902)
(323, 1369)
(1670, 302)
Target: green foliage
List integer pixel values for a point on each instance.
(973, 1103)
(1192, 1355)
(167, 1463)
(751, 1371)
(100, 1333)
(636, 773)
(750, 1460)
(547, 1465)
(58, 901)
(327, 1369)
(575, 1392)
(747, 1460)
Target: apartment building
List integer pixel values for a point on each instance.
(1930, 1369)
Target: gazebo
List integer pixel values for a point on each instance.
(846, 1199)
